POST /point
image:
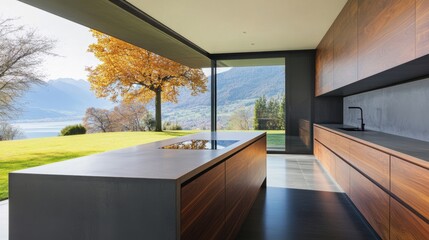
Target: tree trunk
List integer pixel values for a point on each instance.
(158, 119)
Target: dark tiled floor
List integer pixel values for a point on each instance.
(282, 213)
(302, 202)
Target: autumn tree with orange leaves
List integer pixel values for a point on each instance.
(130, 73)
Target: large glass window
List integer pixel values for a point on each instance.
(190, 112)
(251, 97)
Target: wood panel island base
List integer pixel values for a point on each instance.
(150, 191)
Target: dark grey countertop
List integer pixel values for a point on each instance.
(403, 147)
(148, 161)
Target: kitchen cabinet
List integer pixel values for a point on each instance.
(422, 28)
(322, 135)
(371, 162)
(342, 174)
(371, 201)
(245, 173)
(215, 204)
(325, 64)
(405, 225)
(203, 206)
(369, 37)
(386, 35)
(411, 184)
(340, 145)
(345, 45)
(392, 193)
(325, 156)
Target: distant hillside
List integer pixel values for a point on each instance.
(239, 83)
(68, 98)
(60, 98)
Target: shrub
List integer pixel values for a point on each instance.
(73, 130)
(171, 126)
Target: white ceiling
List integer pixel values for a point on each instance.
(227, 26)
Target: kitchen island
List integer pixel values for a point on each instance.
(199, 186)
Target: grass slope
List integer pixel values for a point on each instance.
(20, 154)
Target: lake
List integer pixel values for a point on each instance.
(44, 128)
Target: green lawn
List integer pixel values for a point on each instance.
(20, 154)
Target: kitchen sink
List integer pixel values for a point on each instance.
(351, 129)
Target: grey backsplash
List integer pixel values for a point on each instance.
(400, 110)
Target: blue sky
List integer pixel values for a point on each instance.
(72, 40)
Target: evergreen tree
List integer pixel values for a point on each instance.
(269, 114)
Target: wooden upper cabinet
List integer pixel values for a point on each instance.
(325, 64)
(386, 35)
(422, 27)
(345, 45)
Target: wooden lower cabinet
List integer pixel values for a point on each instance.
(257, 170)
(399, 178)
(410, 183)
(405, 225)
(340, 145)
(237, 187)
(322, 135)
(215, 204)
(342, 174)
(245, 172)
(374, 163)
(325, 157)
(203, 206)
(371, 201)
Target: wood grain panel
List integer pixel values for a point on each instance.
(405, 225)
(342, 174)
(345, 45)
(325, 64)
(236, 190)
(370, 161)
(320, 154)
(203, 206)
(371, 201)
(322, 136)
(386, 35)
(257, 169)
(340, 145)
(422, 28)
(325, 157)
(411, 184)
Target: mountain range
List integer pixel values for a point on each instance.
(63, 98)
(68, 98)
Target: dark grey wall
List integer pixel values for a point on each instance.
(328, 110)
(299, 95)
(401, 110)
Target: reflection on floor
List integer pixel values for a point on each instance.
(302, 202)
(299, 172)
